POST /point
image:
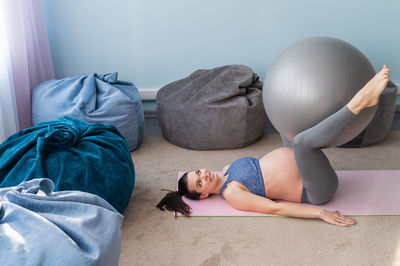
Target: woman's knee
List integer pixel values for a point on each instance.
(299, 141)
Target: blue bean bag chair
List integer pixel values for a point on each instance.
(42, 227)
(75, 155)
(92, 98)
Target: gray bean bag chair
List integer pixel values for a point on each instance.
(380, 125)
(221, 108)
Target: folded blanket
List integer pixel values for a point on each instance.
(42, 227)
(76, 155)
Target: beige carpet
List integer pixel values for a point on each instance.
(153, 237)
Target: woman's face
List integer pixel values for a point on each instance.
(202, 181)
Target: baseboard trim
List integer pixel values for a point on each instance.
(148, 94)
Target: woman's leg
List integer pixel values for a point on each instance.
(319, 179)
(286, 142)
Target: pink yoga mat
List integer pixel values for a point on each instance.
(360, 192)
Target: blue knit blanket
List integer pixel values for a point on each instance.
(75, 155)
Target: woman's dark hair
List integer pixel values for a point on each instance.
(173, 200)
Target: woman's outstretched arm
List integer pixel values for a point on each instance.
(244, 200)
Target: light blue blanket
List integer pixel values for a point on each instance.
(42, 227)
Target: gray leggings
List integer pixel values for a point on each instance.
(320, 181)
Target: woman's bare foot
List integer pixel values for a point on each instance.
(369, 95)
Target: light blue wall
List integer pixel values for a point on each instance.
(154, 42)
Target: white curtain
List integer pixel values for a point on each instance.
(25, 61)
(8, 108)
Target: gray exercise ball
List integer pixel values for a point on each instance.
(313, 79)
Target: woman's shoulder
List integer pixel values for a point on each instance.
(226, 167)
(232, 189)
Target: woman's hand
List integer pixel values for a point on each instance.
(336, 218)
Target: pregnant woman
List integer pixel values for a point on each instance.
(299, 172)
